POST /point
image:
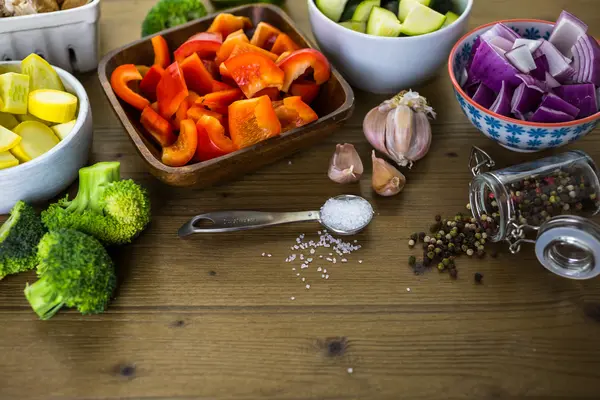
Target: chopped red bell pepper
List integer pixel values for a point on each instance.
(196, 112)
(293, 113)
(282, 56)
(212, 67)
(229, 44)
(212, 141)
(272, 92)
(182, 151)
(154, 106)
(284, 43)
(162, 57)
(265, 35)
(159, 128)
(220, 101)
(252, 121)
(299, 61)
(241, 48)
(182, 111)
(171, 91)
(119, 79)
(196, 75)
(254, 72)
(205, 44)
(225, 24)
(307, 90)
(143, 69)
(150, 82)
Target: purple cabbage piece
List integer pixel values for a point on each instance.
(502, 103)
(552, 101)
(549, 116)
(533, 83)
(521, 58)
(484, 96)
(473, 52)
(542, 67)
(551, 82)
(502, 31)
(558, 64)
(586, 60)
(582, 96)
(492, 68)
(567, 31)
(525, 100)
(471, 88)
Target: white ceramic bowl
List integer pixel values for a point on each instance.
(46, 176)
(386, 65)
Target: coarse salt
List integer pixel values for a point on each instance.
(308, 286)
(350, 370)
(346, 214)
(326, 276)
(319, 269)
(292, 298)
(303, 279)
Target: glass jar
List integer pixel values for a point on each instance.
(552, 197)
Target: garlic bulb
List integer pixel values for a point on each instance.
(400, 128)
(345, 165)
(387, 180)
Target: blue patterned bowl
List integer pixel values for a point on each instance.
(514, 134)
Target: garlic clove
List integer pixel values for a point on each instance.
(387, 180)
(421, 140)
(399, 133)
(345, 165)
(374, 126)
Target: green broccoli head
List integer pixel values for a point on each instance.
(76, 271)
(19, 238)
(169, 13)
(112, 210)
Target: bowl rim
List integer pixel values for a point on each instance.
(84, 111)
(463, 16)
(145, 152)
(457, 87)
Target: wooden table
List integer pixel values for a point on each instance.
(211, 318)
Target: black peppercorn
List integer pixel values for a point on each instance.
(478, 278)
(438, 218)
(453, 273)
(412, 260)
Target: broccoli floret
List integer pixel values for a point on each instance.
(114, 211)
(169, 13)
(19, 237)
(75, 271)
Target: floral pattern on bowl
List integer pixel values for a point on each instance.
(511, 133)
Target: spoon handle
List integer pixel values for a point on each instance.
(233, 221)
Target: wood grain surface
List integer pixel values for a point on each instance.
(210, 318)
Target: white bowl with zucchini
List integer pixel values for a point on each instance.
(45, 131)
(384, 46)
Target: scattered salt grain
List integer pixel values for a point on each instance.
(319, 269)
(326, 276)
(298, 274)
(350, 370)
(408, 289)
(346, 214)
(292, 298)
(344, 260)
(360, 261)
(312, 251)
(303, 279)
(289, 163)
(320, 256)
(325, 270)
(308, 286)
(322, 275)
(269, 255)
(263, 254)
(293, 268)
(309, 260)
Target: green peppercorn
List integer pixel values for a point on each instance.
(438, 236)
(431, 255)
(441, 267)
(437, 250)
(412, 260)
(446, 262)
(478, 236)
(464, 248)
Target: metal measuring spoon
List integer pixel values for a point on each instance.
(233, 221)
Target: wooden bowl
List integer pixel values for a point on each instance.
(334, 105)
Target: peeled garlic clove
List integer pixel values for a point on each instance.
(387, 180)
(399, 134)
(374, 129)
(421, 141)
(345, 165)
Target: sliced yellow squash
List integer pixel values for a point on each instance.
(8, 139)
(42, 75)
(63, 130)
(8, 120)
(14, 92)
(29, 117)
(36, 139)
(7, 160)
(52, 105)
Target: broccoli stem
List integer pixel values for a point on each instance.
(43, 298)
(92, 181)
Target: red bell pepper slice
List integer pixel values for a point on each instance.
(159, 128)
(265, 35)
(154, 106)
(272, 92)
(225, 24)
(182, 111)
(171, 91)
(182, 151)
(229, 44)
(212, 141)
(284, 43)
(143, 69)
(299, 61)
(205, 44)
(196, 112)
(119, 79)
(293, 113)
(241, 48)
(220, 101)
(252, 121)
(162, 57)
(307, 90)
(212, 67)
(197, 76)
(254, 72)
(150, 82)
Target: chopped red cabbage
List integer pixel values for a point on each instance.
(541, 67)
(549, 116)
(521, 58)
(502, 104)
(492, 68)
(500, 30)
(586, 60)
(558, 64)
(473, 52)
(551, 82)
(525, 100)
(533, 83)
(567, 31)
(552, 101)
(582, 96)
(471, 88)
(484, 96)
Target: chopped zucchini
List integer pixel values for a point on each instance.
(422, 20)
(450, 19)
(406, 6)
(364, 10)
(383, 22)
(355, 26)
(332, 9)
